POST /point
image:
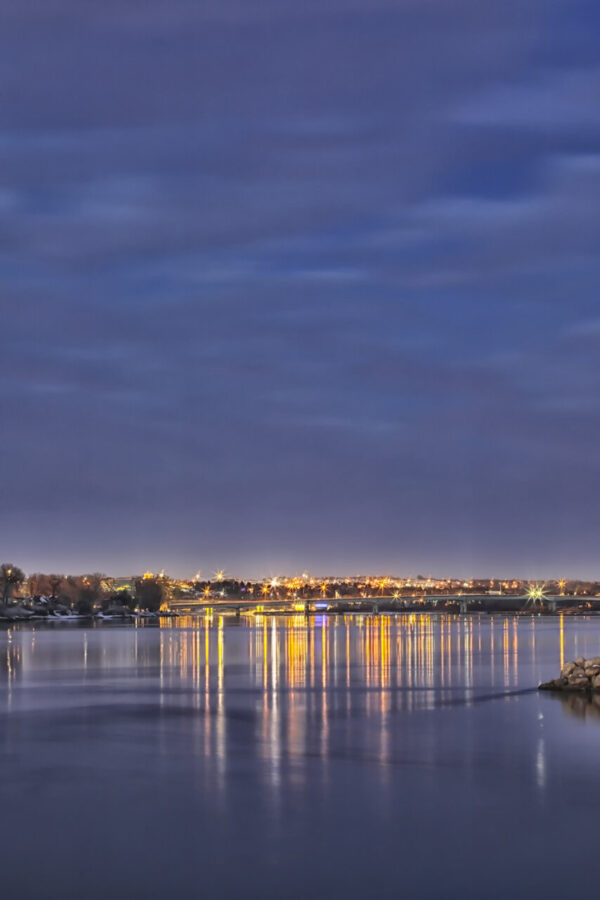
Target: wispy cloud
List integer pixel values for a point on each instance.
(327, 256)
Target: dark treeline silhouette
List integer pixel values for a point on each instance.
(11, 576)
(149, 593)
(82, 593)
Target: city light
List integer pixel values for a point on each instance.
(535, 594)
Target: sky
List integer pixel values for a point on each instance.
(300, 286)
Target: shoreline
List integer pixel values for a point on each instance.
(173, 619)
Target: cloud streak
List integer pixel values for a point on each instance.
(300, 285)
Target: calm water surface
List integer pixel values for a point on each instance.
(279, 757)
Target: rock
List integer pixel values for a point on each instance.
(578, 681)
(581, 676)
(14, 613)
(555, 685)
(123, 611)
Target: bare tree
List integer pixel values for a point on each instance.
(54, 582)
(9, 577)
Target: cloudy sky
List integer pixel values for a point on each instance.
(300, 286)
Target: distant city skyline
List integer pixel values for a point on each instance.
(258, 574)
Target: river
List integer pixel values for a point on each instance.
(283, 757)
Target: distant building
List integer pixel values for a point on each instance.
(120, 584)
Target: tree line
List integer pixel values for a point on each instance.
(82, 593)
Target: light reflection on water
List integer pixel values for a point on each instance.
(273, 736)
(298, 652)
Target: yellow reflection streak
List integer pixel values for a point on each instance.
(505, 652)
(492, 651)
(265, 656)
(221, 667)
(562, 641)
(347, 627)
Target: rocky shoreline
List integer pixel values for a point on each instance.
(582, 675)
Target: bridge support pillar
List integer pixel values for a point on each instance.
(463, 606)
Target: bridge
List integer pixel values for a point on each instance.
(413, 603)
